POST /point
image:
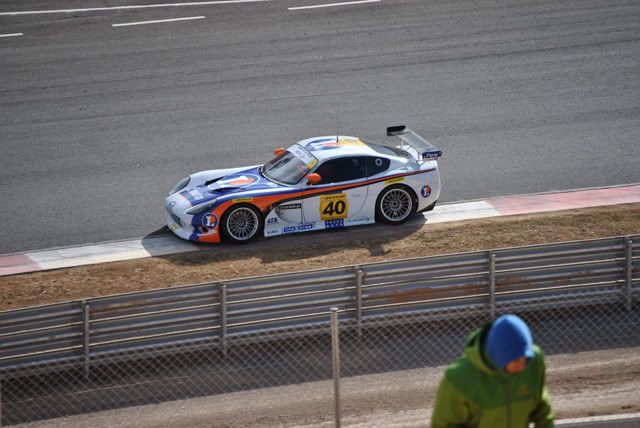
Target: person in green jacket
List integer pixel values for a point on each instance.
(499, 382)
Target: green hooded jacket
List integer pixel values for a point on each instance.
(473, 394)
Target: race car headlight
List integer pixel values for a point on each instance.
(199, 209)
(181, 185)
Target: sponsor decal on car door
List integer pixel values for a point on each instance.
(290, 211)
(334, 207)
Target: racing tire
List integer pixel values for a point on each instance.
(241, 224)
(395, 205)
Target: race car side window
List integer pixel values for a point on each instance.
(386, 150)
(342, 169)
(377, 165)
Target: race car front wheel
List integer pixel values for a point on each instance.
(241, 224)
(395, 205)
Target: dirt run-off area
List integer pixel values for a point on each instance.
(316, 250)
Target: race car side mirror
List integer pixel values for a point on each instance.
(313, 178)
(278, 151)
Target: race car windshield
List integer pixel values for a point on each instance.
(286, 168)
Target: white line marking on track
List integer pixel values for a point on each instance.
(12, 35)
(157, 21)
(332, 4)
(140, 6)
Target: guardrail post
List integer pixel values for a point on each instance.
(86, 339)
(335, 352)
(629, 271)
(223, 319)
(359, 276)
(492, 285)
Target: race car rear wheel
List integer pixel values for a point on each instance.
(395, 205)
(241, 224)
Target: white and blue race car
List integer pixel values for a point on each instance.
(318, 183)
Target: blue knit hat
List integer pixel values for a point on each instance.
(509, 339)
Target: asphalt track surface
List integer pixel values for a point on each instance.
(97, 122)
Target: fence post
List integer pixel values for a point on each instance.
(335, 352)
(492, 285)
(629, 271)
(359, 275)
(86, 339)
(223, 319)
(0, 400)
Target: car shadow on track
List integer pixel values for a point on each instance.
(372, 238)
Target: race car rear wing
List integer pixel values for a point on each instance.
(424, 149)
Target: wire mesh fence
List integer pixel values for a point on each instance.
(167, 373)
(564, 324)
(591, 343)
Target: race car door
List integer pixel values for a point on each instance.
(340, 194)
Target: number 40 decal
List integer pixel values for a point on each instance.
(334, 206)
(338, 208)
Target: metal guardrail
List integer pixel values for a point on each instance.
(620, 421)
(78, 333)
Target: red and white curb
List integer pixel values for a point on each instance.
(535, 203)
(163, 245)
